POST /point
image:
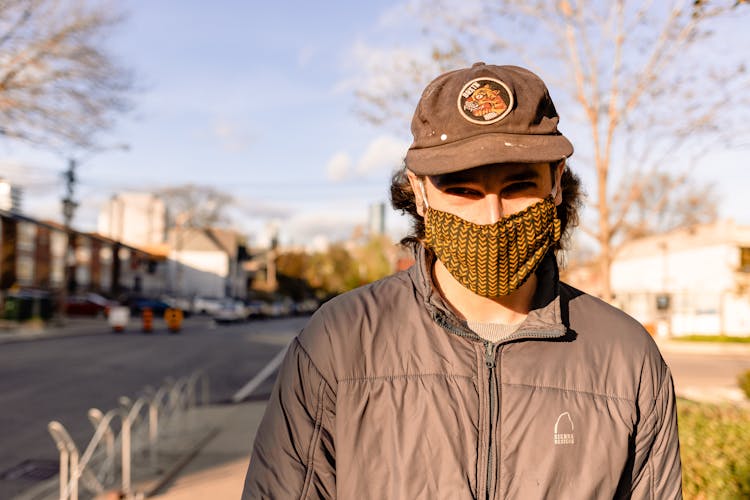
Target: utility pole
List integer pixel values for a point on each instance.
(69, 206)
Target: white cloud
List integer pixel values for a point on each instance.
(384, 153)
(387, 81)
(312, 228)
(231, 135)
(242, 208)
(32, 179)
(307, 226)
(339, 167)
(382, 69)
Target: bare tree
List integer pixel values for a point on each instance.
(198, 207)
(192, 210)
(642, 79)
(667, 201)
(58, 85)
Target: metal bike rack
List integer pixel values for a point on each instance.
(166, 408)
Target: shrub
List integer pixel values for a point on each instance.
(715, 450)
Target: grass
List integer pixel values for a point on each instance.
(713, 338)
(715, 450)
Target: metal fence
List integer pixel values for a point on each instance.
(135, 428)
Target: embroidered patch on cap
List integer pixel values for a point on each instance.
(485, 101)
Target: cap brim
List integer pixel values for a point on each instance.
(487, 149)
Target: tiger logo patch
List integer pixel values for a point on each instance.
(485, 101)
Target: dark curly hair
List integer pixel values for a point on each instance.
(402, 199)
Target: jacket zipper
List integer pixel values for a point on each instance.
(489, 351)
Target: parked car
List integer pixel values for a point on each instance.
(206, 305)
(277, 309)
(230, 311)
(181, 303)
(89, 304)
(157, 306)
(254, 308)
(307, 306)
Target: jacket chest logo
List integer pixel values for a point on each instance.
(563, 433)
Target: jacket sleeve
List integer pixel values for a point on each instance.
(658, 448)
(293, 455)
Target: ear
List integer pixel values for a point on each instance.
(414, 182)
(558, 182)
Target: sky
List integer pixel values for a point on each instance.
(252, 98)
(257, 99)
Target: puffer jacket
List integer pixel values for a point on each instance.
(386, 394)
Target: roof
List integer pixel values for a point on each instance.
(725, 232)
(205, 240)
(56, 226)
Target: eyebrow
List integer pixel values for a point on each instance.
(525, 174)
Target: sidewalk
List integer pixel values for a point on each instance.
(207, 460)
(217, 470)
(12, 331)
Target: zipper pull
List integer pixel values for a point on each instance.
(489, 353)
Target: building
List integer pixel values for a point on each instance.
(34, 255)
(376, 219)
(10, 196)
(207, 262)
(138, 219)
(689, 281)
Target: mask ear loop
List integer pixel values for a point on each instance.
(556, 186)
(425, 204)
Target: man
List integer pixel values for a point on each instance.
(476, 373)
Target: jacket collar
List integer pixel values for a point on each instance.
(544, 321)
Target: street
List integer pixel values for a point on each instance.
(60, 379)
(707, 376)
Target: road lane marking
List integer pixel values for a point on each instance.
(262, 375)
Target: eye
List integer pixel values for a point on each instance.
(462, 191)
(518, 187)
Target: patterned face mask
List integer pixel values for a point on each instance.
(493, 259)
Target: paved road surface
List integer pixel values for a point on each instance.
(707, 376)
(62, 378)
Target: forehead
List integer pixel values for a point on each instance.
(499, 172)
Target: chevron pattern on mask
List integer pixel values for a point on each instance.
(493, 259)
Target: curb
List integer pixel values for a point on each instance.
(21, 334)
(175, 470)
(16, 337)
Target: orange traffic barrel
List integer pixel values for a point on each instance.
(148, 319)
(173, 318)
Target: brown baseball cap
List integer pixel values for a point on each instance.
(483, 115)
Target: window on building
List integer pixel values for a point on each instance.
(745, 259)
(25, 270)
(25, 237)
